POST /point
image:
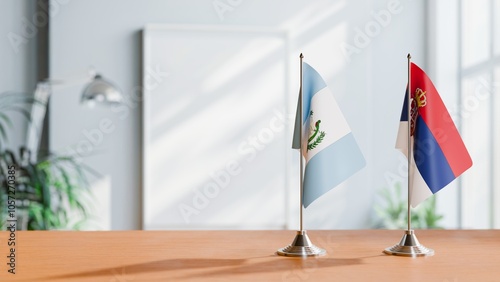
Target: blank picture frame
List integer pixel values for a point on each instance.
(215, 130)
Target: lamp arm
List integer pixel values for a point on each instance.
(68, 82)
(38, 111)
(37, 117)
(98, 88)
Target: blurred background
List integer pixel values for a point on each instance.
(201, 135)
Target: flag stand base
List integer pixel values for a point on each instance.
(301, 247)
(409, 247)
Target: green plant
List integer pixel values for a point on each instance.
(393, 213)
(50, 193)
(12, 102)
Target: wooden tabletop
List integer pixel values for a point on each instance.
(461, 255)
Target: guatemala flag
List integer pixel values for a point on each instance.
(328, 146)
(439, 154)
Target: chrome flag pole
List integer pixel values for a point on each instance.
(409, 245)
(301, 245)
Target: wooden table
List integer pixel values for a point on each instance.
(461, 255)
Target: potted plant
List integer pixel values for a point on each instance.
(49, 193)
(393, 213)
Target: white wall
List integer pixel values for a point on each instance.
(369, 87)
(18, 57)
(443, 53)
(467, 88)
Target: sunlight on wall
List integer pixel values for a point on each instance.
(197, 161)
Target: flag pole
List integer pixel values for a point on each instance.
(409, 139)
(301, 98)
(409, 246)
(301, 245)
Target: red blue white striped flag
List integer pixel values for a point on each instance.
(439, 154)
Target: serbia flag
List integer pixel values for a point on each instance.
(439, 154)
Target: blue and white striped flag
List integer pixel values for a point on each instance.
(328, 146)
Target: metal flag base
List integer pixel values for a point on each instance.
(301, 247)
(409, 247)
